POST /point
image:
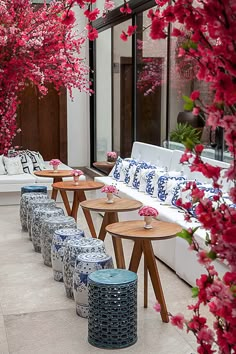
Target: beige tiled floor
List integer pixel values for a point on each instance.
(37, 318)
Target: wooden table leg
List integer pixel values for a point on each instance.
(105, 222)
(55, 191)
(81, 198)
(155, 278)
(65, 201)
(136, 256)
(117, 242)
(75, 206)
(145, 280)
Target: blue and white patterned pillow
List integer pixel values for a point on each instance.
(124, 168)
(130, 173)
(152, 179)
(143, 177)
(166, 186)
(210, 192)
(185, 195)
(115, 173)
(136, 179)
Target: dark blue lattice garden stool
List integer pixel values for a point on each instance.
(112, 299)
(33, 189)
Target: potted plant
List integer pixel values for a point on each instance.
(184, 133)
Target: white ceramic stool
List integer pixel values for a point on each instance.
(59, 240)
(73, 248)
(85, 264)
(39, 215)
(49, 226)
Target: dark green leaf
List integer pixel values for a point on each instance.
(212, 255)
(195, 291)
(185, 235)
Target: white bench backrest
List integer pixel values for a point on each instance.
(151, 153)
(176, 166)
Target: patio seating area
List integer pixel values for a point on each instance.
(37, 317)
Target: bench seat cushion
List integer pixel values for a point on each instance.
(24, 178)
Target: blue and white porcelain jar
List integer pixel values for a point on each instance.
(49, 226)
(59, 240)
(39, 215)
(73, 248)
(85, 264)
(24, 201)
(32, 205)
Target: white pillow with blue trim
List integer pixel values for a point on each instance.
(166, 186)
(130, 172)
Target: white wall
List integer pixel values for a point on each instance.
(78, 140)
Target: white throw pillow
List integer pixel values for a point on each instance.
(13, 165)
(26, 162)
(37, 160)
(2, 168)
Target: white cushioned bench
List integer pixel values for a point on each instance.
(173, 252)
(10, 185)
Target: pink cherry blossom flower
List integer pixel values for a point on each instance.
(178, 320)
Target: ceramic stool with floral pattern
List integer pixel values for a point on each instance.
(85, 264)
(49, 226)
(39, 215)
(24, 202)
(32, 205)
(59, 240)
(73, 248)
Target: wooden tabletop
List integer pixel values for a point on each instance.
(104, 164)
(120, 204)
(135, 230)
(52, 174)
(83, 185)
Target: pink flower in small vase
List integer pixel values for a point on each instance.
(54, 162)
(148, 211)
(77, 173)
(111, 156)
(109, 189)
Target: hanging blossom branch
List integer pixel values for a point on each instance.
(39, 45)
(211, 45)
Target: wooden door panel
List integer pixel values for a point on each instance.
(43, 123)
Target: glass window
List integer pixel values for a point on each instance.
(122, 91)
(151, 85)
(103, 95)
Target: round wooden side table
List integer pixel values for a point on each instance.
(104, 166)
(57, 177)
(79, 196)
(111, 216)
(134, 230)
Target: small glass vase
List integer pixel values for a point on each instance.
(148, 222)
(110, 199)
(55, 168)
(76, 180)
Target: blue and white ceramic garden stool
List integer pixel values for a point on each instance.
(49, 226)
(32, 205)
(73, 248)
(59, 240)
(39, 215)
(24, 201)
(85, 264)
(33, 189)
(112, 300)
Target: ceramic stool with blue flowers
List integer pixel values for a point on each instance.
(33, 204)
(59, 240)
(85, 264)
(40, 214)
(73, 248)
(24, 201)
(49, 226)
